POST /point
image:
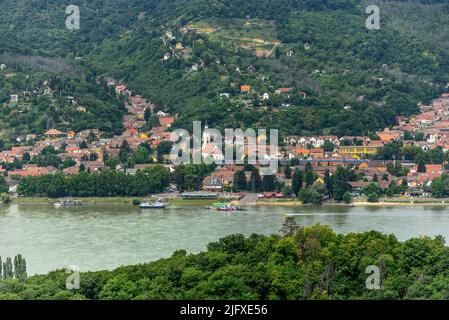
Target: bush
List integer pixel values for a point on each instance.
(347, 197)
(372, 188)
(5, 198)
(136, 202)
(373, 197)
(310, 195)
(389, 192)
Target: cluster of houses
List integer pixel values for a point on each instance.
(325, 153)
(88, 147)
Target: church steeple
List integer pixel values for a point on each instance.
(206, 135)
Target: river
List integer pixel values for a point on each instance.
(106, 236)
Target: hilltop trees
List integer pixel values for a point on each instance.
(301, 263)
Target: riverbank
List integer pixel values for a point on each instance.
(261, 202)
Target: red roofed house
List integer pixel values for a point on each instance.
(54, 133)
(245, 89)
(416, 178)
(283, 90)
(167, 121)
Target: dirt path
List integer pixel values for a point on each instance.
(249, 199)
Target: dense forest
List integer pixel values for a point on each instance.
(301, 263)
(346, 79)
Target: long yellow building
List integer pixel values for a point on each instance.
(357, 151)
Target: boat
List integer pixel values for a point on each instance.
(152, 205)
(68, 203)
(225, 207)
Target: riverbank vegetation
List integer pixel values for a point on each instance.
(301, 263)
(109, 183)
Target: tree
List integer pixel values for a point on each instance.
(5, 198)
(347, 197)
(91, 137)
(339, 184)
(3, 185)
(178, 178)
(421, 166)
(373, 197)
(310, 195)
(294, 162)
(8, 271)
(328, 182)
(147, 114)
(141, 155)
(255, 181)
(289, 226)
(288, 172)
(20, 268)
(328, 146)
(372, 188)
(277, 53)
(162, 149)
(69, 162)
(440, 187)
(269, 183)
(93, 157)
(124, 152)
(297, 181)
(309, 175)
(240, 183)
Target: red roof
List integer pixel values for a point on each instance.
(284, 90)
(165, 121)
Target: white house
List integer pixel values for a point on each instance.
(266, 96)
(14, 98)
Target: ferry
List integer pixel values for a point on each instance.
(152, 205)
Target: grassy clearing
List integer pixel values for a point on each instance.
(252, 34)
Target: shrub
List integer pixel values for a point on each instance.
(373, 197)
(347, 197)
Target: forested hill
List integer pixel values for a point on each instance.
(346, 79)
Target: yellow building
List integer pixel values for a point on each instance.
(357, 151)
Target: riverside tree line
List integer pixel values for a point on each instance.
(108, 183)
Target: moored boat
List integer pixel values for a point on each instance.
(152, 205)
(68, 203)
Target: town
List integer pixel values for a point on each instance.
(401, 161)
